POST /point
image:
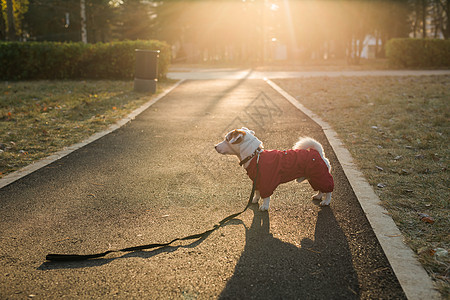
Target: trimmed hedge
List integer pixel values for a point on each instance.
(53, 60)
(418, 53)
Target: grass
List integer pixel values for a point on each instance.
(38, 118)
(397, 129)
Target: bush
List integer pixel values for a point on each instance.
(53, 60)
(418, 53)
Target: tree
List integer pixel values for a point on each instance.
(135, 20)
(2, 23)
(12, 13)
(101, 16)
(56, 20)
(12, 36)
(442, 15)
(53, 20)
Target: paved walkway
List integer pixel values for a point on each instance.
(229, 73)
(158, 177)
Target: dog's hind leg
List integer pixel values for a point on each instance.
(265, 205)
(256, 197)
(327, 200)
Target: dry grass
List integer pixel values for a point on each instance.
(397, 129)
(38, 118)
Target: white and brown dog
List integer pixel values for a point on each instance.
(270, 168)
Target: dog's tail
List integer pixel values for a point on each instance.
(307, 142)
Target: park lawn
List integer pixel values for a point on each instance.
(397, 130)
(38, 118)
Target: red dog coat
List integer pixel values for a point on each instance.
(277, 167)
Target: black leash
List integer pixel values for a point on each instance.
(77, 257)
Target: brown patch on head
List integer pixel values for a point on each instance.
(236, 136)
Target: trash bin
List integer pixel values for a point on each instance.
(146, 71)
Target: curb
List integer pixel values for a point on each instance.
(412, 276)
(10, 178)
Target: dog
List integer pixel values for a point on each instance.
(270, 168)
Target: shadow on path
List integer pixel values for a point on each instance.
(272, 269)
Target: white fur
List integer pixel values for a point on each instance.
(307, 142)
(245, 148)
(243, 143)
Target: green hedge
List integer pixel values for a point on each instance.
(52, 60)
(418, 53)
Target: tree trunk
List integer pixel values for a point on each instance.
(445, 26)
(424, 18)
(2, 23)
(12, 36)
(83, 21)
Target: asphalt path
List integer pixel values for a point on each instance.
(158, 178)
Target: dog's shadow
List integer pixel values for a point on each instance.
(272, 269)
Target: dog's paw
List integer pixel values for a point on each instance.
(264, 207)
(325, 203)
(327, 200)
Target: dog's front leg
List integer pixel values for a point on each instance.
(318, 196)
(256, 197)
(265, 205)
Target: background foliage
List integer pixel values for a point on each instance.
(418, 53)
(232, 30)
(55, 60)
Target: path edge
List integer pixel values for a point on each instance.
(413, 278)
(14, 176)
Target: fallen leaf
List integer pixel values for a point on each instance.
(426, 251)
(426, 218)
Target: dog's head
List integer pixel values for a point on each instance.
(240, 142)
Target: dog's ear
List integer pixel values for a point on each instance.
(248, 130)
(236, 136)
